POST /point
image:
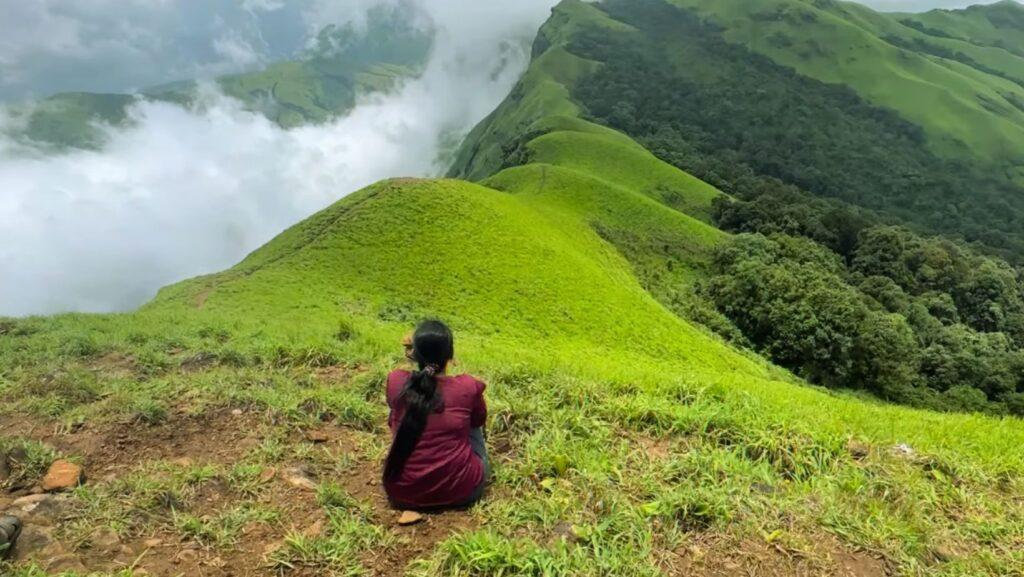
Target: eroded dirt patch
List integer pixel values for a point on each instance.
(717, 557)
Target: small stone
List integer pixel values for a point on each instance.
(63, 475)
(943, 553)
(903, 450)
(34, 539)
(298, 478)
(564, 530)
(16, 456)
(217, 563)
(317, 436)
(105, 540)
(267, 475)
(29, 503)
(409, 518)
(66, 563)
(42, 509)
(124, 555)
(151, 543)
(187, 556)
(314, 530)
(236, 412)
(858, 450)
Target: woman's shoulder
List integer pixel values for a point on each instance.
(398, 377)
(472, 382)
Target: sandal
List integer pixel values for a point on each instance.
(10, 529)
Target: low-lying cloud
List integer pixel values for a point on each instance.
(183, 192)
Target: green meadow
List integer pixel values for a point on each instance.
(629, 439)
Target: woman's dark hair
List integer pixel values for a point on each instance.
(432, 348)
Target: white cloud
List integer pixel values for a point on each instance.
(49, 46)
(187, 192)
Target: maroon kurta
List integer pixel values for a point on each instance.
(442, 470)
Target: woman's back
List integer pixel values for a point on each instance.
(442, 469)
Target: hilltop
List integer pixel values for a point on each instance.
(236, 422)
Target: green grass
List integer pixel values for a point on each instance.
(843, 43)
(621, 432)
(994, 25)
(580, 366)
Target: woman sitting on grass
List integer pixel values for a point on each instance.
(437, 459)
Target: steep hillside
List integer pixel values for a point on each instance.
(833, 138)
(322, 83)
(998, 25)
(964, 110)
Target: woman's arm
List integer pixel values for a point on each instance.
(479, 416)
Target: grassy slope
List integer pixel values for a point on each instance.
(585, 368)
(946, 97)
(995, 25)
(68, 118)
(579, 357)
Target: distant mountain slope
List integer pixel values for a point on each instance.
(999, 25)
(964, 111)
(321, 84)
(831, 97)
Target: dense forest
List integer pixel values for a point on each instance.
(722, 113)
(823, 277)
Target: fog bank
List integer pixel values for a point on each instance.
(187, 192)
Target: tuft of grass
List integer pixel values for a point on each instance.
(349, 536)
(222, 529)
(26, 459)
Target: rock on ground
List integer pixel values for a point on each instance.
(63, 475)
(409, 518)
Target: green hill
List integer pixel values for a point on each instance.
(964, 110)
(583, 367)
(997, 25)
(628, 439)
(321, 84)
